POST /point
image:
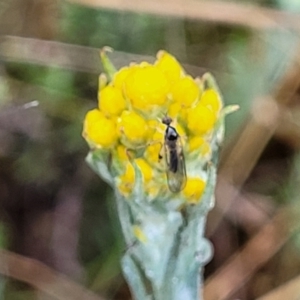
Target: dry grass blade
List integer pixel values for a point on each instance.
(49, 53)
(236, 167)
(42, 277)
(233, 275)
(260, 127)
(68, 56)
(289, 290)
(241, 158)
(215, 11)
(289, 128)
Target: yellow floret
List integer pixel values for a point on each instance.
(153, 153)
(157, 128)
(178, 112)
(169, 65)
(154, 149)
(120, 76)
(211, 99)
(145, 168)
(201, 119)
(100, 130)
(129, 175)
(111, 101)
(139, 234)
(183, 115)
(143, 64)
(185, 91)
(121, 153)
(194, 189)
(152, 126)
(127, 180)
(174, 110)
(152, 189)
(146, 86)
(133, 127)
(199, 144)
(180, 130)
(92, 116)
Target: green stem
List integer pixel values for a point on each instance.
(169, 265)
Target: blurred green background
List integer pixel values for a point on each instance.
(55, 210)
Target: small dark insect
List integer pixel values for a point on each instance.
(176, 172)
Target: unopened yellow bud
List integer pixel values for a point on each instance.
(133, 126)
(186, 91)
(169, 65)
(153, 153)
(146, 86)
(121, 153)
(91, 117)
(127, 180)
(211, 99)
(100, 130)
(174, 110)
(201, 119)
(111, 101)
(145, 168)
(120, 76)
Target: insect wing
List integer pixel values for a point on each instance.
(176, 172)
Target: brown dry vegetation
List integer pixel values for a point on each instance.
(58, 234)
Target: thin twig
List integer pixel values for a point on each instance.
(215, 11)
(234, 171)
(288, 129)
(42, 277)
(69, 56)
(233, 275)
(289, 290)
(259, 129)
(252, 140)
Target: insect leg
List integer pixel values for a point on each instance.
(160, 153)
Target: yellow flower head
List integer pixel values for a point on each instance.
(155, 139)
(160, 119)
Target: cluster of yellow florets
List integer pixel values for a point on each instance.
(128, 118)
